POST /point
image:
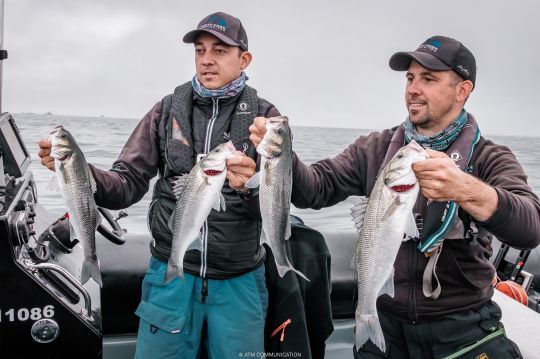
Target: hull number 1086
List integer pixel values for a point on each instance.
(24, 314)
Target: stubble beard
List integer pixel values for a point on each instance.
(424, 121)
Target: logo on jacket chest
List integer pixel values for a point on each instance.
(243, 108)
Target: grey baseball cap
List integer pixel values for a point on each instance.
(225, 27)
(439, 53)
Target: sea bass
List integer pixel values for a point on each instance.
(200, 192)
(384, 221)
(77, 187)
(275, 185)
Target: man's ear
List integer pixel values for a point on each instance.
(464, 90)
(245, 59)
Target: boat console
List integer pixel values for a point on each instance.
(44, 308)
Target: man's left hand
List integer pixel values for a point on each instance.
(240, 168)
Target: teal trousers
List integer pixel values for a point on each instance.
(175, 320)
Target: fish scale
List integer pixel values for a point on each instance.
(383, 221)
(77, 188)
(275, 186)
(199, 193)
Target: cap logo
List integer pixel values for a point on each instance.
(462, 69)
(432, 45)
(216, 23)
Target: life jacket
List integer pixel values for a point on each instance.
(178, 156)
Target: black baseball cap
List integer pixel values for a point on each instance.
(439, 53)
(225, 27)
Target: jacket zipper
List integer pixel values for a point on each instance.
(207, 148)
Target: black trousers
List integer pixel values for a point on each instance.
(444, 337)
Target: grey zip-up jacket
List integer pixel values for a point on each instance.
(226, 254)
(464, 269)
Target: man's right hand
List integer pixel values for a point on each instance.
(257, 129)
(45, 154)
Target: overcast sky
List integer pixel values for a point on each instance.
(322, 63)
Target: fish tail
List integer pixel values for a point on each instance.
(369, 328)
(284, 269)
(90, 268)
(173, 271)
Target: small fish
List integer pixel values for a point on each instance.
(383, 221)
(200, 192)
(275, 186)
(77, 187)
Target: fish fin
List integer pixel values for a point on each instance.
(196, 244)
(254, 181)
(368, 327)
(72, 234)
(90, 268)
(173, 271)
(352, 265)
(358, 212)
(53, 184)
(178, 184)
(98, 218)
(170, 222)
(284, 269)
(288, 228)
(411, 229)
(219, 203)
(222, 202)
(390, 211)
(93, 185)
(264, 239)
(388, 286)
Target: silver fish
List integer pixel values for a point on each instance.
(275, 185)
(77, 187)
(200, 192)
(383, 221)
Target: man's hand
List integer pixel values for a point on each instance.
(440, 179)
(240, 168)
(45, 154)
(257, 129)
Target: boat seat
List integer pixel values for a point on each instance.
(123, 268)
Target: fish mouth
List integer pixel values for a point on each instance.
(402, 187)
(211, 172)
(61, 158)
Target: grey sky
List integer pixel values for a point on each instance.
(321, 63)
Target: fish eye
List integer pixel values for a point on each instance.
(399, 156)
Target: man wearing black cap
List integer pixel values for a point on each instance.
(443, 280)
(222, 299)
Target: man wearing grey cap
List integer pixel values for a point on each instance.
(471, 189)
(221, 301)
